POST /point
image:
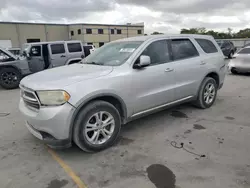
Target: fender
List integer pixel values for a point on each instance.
(73, 59)
(11, 66)
(86, 101)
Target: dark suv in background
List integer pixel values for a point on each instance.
(227, 48)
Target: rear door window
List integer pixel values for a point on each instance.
(207, 45)
(57, 48)
(74, 47)
(183, 49)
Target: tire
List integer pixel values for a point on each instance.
(88, 115)
(233, 71)
(10, 78)
(230, 56)
(201, 100)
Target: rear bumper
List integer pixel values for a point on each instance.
(222, 75)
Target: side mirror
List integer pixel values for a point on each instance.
(27, 55)
(143, 62)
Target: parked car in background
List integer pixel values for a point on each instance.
(241, 62)
(12, 69)
(15, 51)
(121, 81)
(227, 48)
(43, 55)
(88, 49)
(37, 57)
(246, 45)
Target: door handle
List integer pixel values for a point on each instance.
(169, 70)
(203, 63)
(63, 56)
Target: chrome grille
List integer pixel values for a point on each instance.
(29, 98)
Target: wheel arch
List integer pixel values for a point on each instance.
(74, 59)
(10, 66)
(215, 76)
(113, 99)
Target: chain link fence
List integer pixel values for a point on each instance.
(239, 43)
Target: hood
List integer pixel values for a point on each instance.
(8, 53)
(57, 78)
(241, 59)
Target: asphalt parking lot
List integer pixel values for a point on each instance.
(215, 153)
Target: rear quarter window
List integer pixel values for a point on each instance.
(207, 45)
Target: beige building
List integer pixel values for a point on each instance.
(97, 34)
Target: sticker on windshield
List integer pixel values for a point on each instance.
(129, 50)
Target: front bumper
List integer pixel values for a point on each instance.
(49, 124)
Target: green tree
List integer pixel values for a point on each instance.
(156, 33)
(244, 33)
(189, 31)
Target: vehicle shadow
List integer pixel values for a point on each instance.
(153, 122)
(2, 89)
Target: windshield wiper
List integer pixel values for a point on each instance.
(94, 63)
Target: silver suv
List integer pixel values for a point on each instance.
(126, 79)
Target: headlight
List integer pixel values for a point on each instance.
(52, 98)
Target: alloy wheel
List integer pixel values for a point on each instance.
(9, 78)
(99, 128)
(209, 93)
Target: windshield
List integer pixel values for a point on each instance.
(112, 54)
(4, 57)
(219, 42)
(25, 49)
(244, 51)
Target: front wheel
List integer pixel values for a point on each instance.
(10, 78)
(97, 126)
(207, 93)
(233, 71)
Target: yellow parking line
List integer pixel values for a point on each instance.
(67, 169)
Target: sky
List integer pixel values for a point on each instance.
(167, 16)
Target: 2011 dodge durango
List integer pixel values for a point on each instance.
(87, 103)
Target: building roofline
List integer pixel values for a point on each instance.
(115, 25)
(31, 23)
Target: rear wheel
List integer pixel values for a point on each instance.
(97, 126)
(233, 71)
(207, 93)
(10, 78)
